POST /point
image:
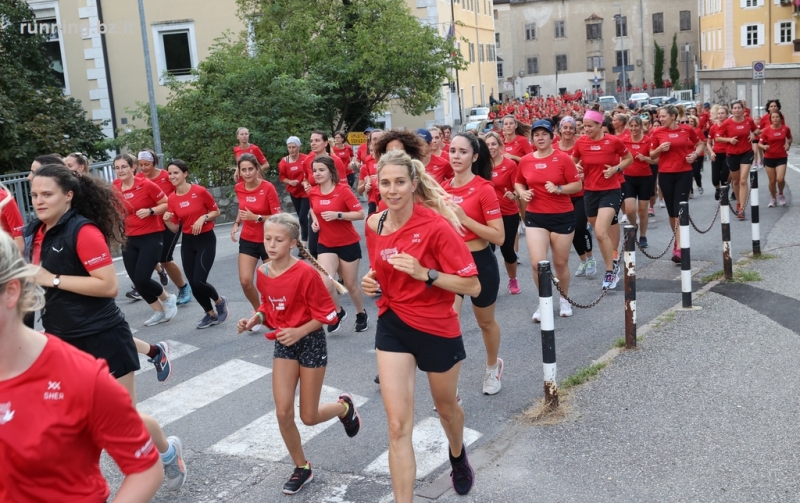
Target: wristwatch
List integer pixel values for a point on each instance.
(56, 281)
(433, 275)
(260, 219)
(340, 215)
(152, 212)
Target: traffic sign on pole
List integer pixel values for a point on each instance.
(758, 70)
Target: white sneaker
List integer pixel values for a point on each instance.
(772, 203)
(175, 470)
(170, 307)
(566, 308)
(624, 219)
(661, 204)
(491, 381)
(158, 317)
(537, 316)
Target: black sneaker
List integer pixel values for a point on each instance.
(362, 319)
(300, 477)
(463, 476)
(377, 379)
(133, 294)
(162, 275)
(351, 420)
(342, 315)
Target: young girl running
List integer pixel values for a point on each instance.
(718, 150)
(775, 142)
(515, 138)
(291, 173)
(295, 301)
(334, 207)
(192, 207)
(474, 201)
(421, 262)
(258, 199)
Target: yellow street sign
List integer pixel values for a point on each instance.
(356, 138)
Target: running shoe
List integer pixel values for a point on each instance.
(591, 266)
(463, 476)
(208, 321)
(513, 286)
(222, 309)
(691, 195)
(362, 320)
(676, 255)
(581, 272)
(772, 202)
(782, 200)
(651, 212)
(351, 420)
(175, 470)
(566, 308)
(609, 280)
(158, 317)
(700, 190)
(133, 294)
(491, 379)
(300, 477)
(162, 275)
(521, 229)
(740, 214)
(624, 219)
(661, 203)
(537, 316)
(161, 361)
(717, 194)
(615, 276)
(643, 242)
(342, 315)
(171, 307)
(184, 295)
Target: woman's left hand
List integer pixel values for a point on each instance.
(329, 215)
(459, 211)
(289, 336)
(510, 195)
(246, 214)
(691, 157)
(143, 213)
(404, 262)
(198, 225)
(551, 187)
(609, 171)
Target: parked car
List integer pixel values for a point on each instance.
(478, 126)
(607, 102)
(638, 100)
(478, 114)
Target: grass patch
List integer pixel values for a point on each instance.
(763, 256)
(744, 276)
(619, 343)
(714, 277)
(582, 375)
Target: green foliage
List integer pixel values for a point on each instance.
(674, 73)
(35, 116)
(658, 67)
(582, 375)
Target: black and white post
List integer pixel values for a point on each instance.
(725, 218)
(548, 335)
(756, 231)
(630, 286)
(686, 261)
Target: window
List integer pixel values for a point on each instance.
(46, 22)
(481, 55)
(561, 62)
(497, 40)
(594, 31)
(530, 31)
(499, 70)
(752, 35)
(471, 52)
(627, 55)
(658, 22)
(176, 50)
(783, 32)
(703, 41)
(496, 14)
(621, 25)
(719, 39)
(533, 65)
(751, 3)
(686, 20)
(593, 62)
(560, 31)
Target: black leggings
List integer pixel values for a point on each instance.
(198, 254)
(140, 256)
(301, 205)
(719, 171)
(582, 240)
(675, 188)
(697, 165)
(511, 227)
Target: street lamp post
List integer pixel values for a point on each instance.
(687, 49)
(149, 75)
(622, 47)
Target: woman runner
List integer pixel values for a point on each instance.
(245, 147)
(77, 162)
(737, 131)
(193, 208)
(718, 151)
(344, 152)
(10, 218)
(368, 175)
(292, 173)
(419, 260)
(515, 138)
(319, 148)
(638, 185)
(697, 165)
(297, 303)
(775, 142)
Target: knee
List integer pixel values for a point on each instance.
(489, 324)
(449, 412)
(285, 416)
(309, 418)
(601, 234)
(399, 429)
(246, 283)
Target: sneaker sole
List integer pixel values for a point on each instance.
(132, 297)
(207, 326)
(355, 409)
(159, 322)
(334, 330)
(309, 479)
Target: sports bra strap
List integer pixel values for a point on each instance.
(381, 220)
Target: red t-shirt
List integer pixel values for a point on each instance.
(519, 146)
(594, 156)
(335, 232)
(429, 238)
(10, 217)
(557, 168)
(293, 171)
(775, 140)
(503, 177)
(186, 209)
(440, 169)
(569, 153)
(370, 168)
(478, 200)
(638, 168)
(362, 152)
(56, 418)
(143, 194)
(683, 141)
(714, 132)
(162, 180)
(308, 162)
(294, 298)
(90, 246)
(739, 130)
(252, 149)
(764, 122)
(445, 154)
(703, 121)
(263, 200)
(345, 154)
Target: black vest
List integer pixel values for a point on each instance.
(69, 315)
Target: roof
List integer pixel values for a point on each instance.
(593, 17)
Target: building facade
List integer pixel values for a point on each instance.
(546, 47)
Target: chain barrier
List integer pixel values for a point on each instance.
(572, 302)
(656, 257)
(716, 214)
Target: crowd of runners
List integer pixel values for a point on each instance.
(438, 205)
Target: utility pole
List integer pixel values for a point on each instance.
(622, 46)
(150, 90)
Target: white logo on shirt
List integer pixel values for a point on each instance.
(141, 451)
(185, 204)
(53, 385)
(57, 250)
(278, 304)
(293, 168)
(6, 414)
(387, 253)
(674, 135)
(250, 199)
(594, 147)
(416, 239)
(53, 391)
(471, 267)
(458, 199)
(540, 165)
(331, 316)
(128, 195)
(324, 202)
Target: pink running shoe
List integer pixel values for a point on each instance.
(513, 286)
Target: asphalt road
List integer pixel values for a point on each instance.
(219, 401)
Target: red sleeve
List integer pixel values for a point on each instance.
(155, 192)
(693, 137)
(92, 248)
(171, 209)
(452, 253)
(260, 156)
(351, 200)
(272, 200)
(11, 219)
(116, 426)
(489, 203)
(208, 200)
(571, 171)
(576, 152)
(320, 302)
(621, 149)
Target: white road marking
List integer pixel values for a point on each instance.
(430, 448)
(176, 350)
(261, 439)
(197, 392)
(792, 166)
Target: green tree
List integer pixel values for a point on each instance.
(658, 67)
(35, 116)
(674, 73)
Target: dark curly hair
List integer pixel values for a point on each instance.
(412, 144)
(91, 197)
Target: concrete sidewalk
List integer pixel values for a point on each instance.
(705, 410)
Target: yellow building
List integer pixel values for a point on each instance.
(734, 33)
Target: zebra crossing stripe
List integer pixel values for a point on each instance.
(176, 350)
(430, 448)
(199, 391)
(261, 439)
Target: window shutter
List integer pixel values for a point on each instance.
(742, 3)
(776, 30)
(760, 34)
(743, 34)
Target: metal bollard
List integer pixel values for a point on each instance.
(686, 262)
(630, 286)
(725, 218)
(548, 335)
(755, 228)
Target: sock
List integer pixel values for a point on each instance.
(346, 408)
(492, 368)
(305, 466)
(459, 459)
(167, 457)
(153, 351)
(609, 272)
